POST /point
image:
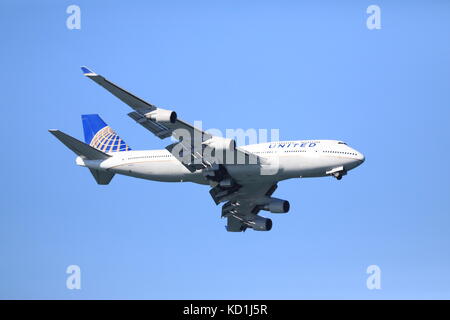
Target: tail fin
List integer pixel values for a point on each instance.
(100, 136)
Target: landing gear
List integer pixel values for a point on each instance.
(338, 175)
(338, 172)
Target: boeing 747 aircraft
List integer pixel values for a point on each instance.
(243, 178)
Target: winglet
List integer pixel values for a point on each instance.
(87, 71)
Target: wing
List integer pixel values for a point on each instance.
(243, 208)
(192, 142)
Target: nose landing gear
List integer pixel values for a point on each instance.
(338, 172)
(338, 175)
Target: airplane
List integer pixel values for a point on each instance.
(243, 178)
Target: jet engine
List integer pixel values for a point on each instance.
(276, 205)
(220, 144)
(260, 224)
(162, 115)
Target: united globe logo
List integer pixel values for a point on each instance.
(107, 140)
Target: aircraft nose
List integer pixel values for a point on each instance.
(358, 157)
(361, 157)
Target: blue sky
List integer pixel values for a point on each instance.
(313, 71)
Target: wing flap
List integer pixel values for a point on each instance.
(242, 209)
(235, 225)
(157, 129)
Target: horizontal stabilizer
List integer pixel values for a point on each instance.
(80, 148)
(102, 177)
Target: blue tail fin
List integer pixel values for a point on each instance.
(100, 136)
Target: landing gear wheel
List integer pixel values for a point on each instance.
(338, 175)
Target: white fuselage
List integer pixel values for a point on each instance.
(292, 159)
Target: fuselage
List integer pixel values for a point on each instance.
(288, 159)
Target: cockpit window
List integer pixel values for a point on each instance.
(340, 142)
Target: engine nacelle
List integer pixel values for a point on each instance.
(260, 224)
(220, 144)
(277, 205)
(162, 115)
